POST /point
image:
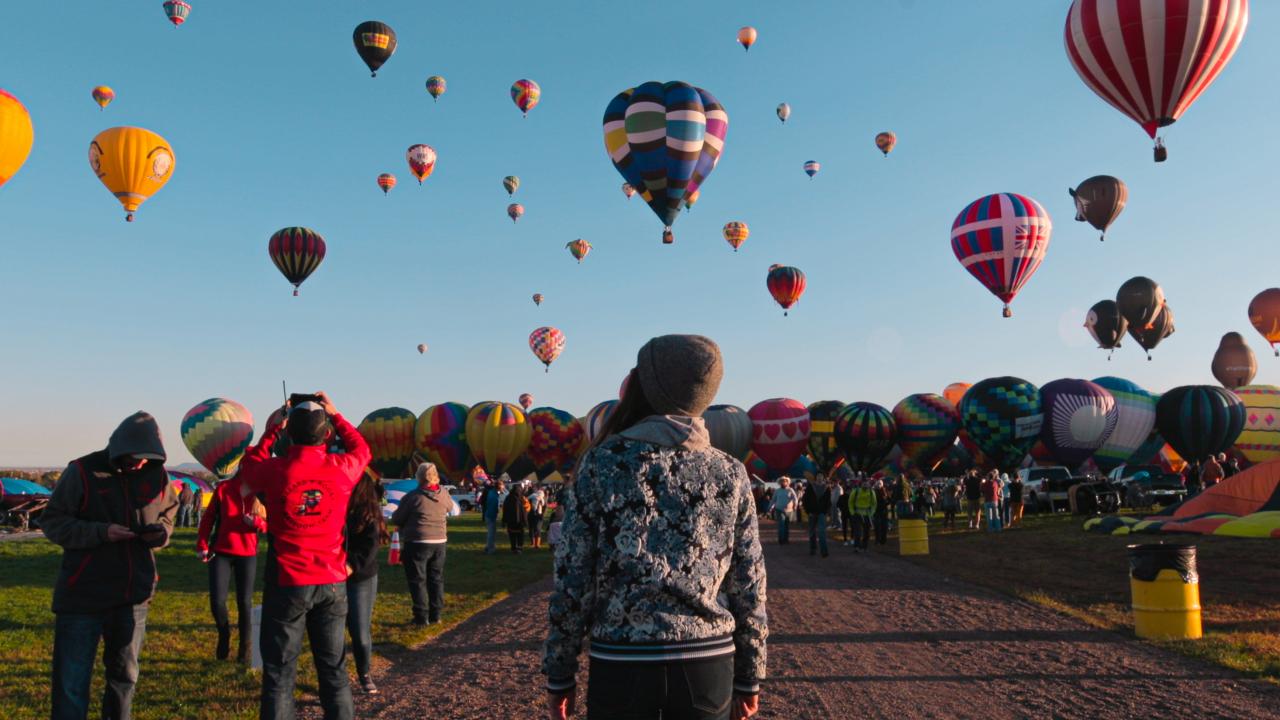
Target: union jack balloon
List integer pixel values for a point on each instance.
(1152, 59)
(1001, 239)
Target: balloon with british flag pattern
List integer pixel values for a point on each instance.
(1001, 240)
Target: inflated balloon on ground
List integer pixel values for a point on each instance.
(927, 426)
(218, 431)
(1079, 417)
(1200, 420)
(498, 433)
(1260, 439)
(440, 434)
(1003, 417)
(730, 429)
(1135, 419)
(390, 435)
(779, 431)
(865, 433)
(822, 437)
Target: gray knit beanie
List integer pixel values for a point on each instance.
(680, 374)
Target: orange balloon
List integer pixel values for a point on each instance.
(955, 392)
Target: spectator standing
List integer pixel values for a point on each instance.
(423, 521)
(817, 505)
(972, 497)
(197, 506)
(950, 504)
(862, 506)
(537, 507)
(366, 532)
(783, 507)
(491, 507)
(1015, 500)
(185, 498)
(1212, 473)
(228, 541)
(515, 516)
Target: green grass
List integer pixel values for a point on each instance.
(179, 677)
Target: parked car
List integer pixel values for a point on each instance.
(1148, 485)
(1045, 488)
(1090, 494)
(465, 500)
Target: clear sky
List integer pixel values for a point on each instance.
(274, 122)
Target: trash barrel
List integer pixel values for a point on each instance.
(913, 537)
(1166, 591)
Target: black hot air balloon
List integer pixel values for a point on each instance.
(1148, 338)
(1099, 201)
(1105, 323)
(822, 439)
(296, 252)
(375, 43)
(1140, 300)
(865, 433)
(1200, 420)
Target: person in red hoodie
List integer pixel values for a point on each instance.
(228, 541)
(307, 491)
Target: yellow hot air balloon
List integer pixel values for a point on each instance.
(16, 135)
(498, 434)
(132, 162)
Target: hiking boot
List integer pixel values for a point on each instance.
(224, 643)
(366, 684)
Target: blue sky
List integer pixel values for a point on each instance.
(274, 122)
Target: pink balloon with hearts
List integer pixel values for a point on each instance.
(779, 431)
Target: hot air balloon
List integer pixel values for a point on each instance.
(865, 433)
(1106, 325)
(597, 417)
(297, 252)
(546, 343)
(498, 433)
(375, 44)
(628, 190)
(556, 440)
(1135, 419)
(422, 348)
(1151, 60)
(578, 248)
(730, 429)
(1260, 440)
(390, 435)
(955, 461)
(217, 432)
(954, 392)
(784, 111)
(779, 431)
(515, 211)
(736, 233)
(1264, 309)
(177, 11)
(1001, 240)
(1150, 337)
(436, 86)
(16, 136)
(927, 426)
(386, 181)
(1234, 364)
(786, 285)
(103, 95)
(665, 140)
(822, 434)
(422, 161)
(537, 298)
(132, 163)
(526, 401)
(525, 94)
(1003, 417)
(511, 183)
(1099, 201)
(1140, 300)
(811, 168)
(886, 141)
(1200, 420)
(440, 434)
(1079, 416)
(747, 36)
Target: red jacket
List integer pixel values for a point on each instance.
(307, 492)
(235, 537)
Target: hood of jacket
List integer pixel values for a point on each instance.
(138, 435)
(674, 431)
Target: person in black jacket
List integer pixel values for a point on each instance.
(110, 511)
(515, 515)
(816, 502)
(366, 531)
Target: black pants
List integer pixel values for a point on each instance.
(75, 645)
(424, 572)
(881, 522)
(846, 521)
(690, 690)
(320, 611)
(221, 569)
(535, 526)
(516, 534)
(861, 531)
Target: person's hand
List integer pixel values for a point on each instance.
(744, 706)
(203, 554)
(279, 417)
(327, 404)
(117, 533)
(560, 705)
(248, 519)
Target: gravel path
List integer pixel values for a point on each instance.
(856, 635)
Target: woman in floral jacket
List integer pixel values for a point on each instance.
(659, 563)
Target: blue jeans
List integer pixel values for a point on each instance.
(75, 647)
(424, 574)
(490, 534)
(818, 533)
(320, 610)
(784, 528)
(184, 516)
(360, 597)
(992, 515)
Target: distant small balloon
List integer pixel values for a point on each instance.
(886, 141)
(386, 181)
(628, 190)
(103, 95)
(525, 94)
(747, 37)
(537, 298)
(515, 211)
(579, 248)
(511, 183)
(1264, 314)
(422, 348)
(784, 111)
(736, 233)
(436, 86)
(811, 168)
(1099, 201)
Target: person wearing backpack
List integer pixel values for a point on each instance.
(862, 506)
(228, 542)
(817, 504)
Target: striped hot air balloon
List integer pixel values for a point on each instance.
(736, 233)
(390, 435)
(886, 141)
(177, 11)
(217, 432)
(546, 343)
(436, 86)
(1001, 240)
(1135, 419)
(578, 248)
(515, 211)
(422, 161)
(386, 181)
(498, 433)
(927, 427)
(297, 252)
(865, 433)
(1259, 442)
(1200, 420)
(822, 433)
(133, 163)
(525, 94)
(1152, 60)
(786, 285)
(103, 95)
(440, 434)
(596, 418)
(811, 168)
(511, 183)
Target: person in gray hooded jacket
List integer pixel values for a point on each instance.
(659, 559)
(110, 511)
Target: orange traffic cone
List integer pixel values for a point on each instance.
(393, 557)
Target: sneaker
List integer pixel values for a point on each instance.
(420, 621)
(366, 683)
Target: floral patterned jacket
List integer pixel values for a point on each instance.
(659, 557)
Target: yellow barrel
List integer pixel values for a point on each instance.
(1166, 592)
(913, 537)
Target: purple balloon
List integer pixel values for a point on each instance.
(1079, 416)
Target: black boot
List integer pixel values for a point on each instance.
(244, 653)
(224, 642)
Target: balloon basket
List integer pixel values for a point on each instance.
(1007, 312)
(295, 292)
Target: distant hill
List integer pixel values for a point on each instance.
(187, 467)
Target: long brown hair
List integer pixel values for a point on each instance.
(365, 508)
(631, 409)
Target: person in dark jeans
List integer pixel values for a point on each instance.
(109, 511)
(422, 518)
(307, 493)
(366, 532)
(880, 518)
(228, 541)
(515, 515)
(817, 503)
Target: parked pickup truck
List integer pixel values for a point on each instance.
(1156, 487)
(1044, 489)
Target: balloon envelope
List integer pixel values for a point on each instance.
(1135, 419)
(375, 43)
(546, 343)
(597, 418)
(1140, 300)
(730, 429)
(822, 434)
(1259, 442)
(133, 163)
(1264, 312)
(218, 432)
(786, 284)
(954, 392)
(1079, 416)
(556, 439)
(390, 435)
(1003, 417)
(886, 141)
(736, 233)
(1234, 364)
(16, 135)
(296, 252)
(436, 85)
(525, 94)
(1099, 201)
(1151, 336)
(422, 161)
(1001, 240)
(747, 36)
(779, 431)
(865, 433)
(440, 434)
(1105, 324)
(1200, 420)
(784, 111)
(498, 433)
(927, 426)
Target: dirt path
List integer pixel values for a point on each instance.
(857, 635)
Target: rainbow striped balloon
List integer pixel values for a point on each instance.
(217, 432)
(597, 417)
(440, 434)
(390, 434)
(927, 427)
(525, 94)
(498, 433)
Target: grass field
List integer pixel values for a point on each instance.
(1052, 562)
(179, 677)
